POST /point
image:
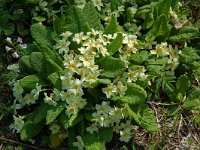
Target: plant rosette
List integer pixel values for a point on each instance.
(98, 81)
(94, 82)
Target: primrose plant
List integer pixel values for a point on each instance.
(88, 81)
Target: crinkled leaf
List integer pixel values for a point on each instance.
(160, 28)
(39, 113)
(144, 11)
(115, 44)
(92, 16)
(164, 7)
(133, 95)
(183, 84)
(30, 130)
(25, 65)
(53, 62)
(144, 116)
(113, 27)
(50, 54)
(76, 21)
(169, 89)
(29, 82)
(155, 69)
(189, 55)
(67, 121)
(111, 67)
(190, 104)
(54, 111)
(185, 34)
(38, 63)
(41, 34)
(55, 80)
(59, 24)
(150, 18)
(194, 93)
(140, 57)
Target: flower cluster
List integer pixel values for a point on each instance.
(13, 45)
(112, 90)
(18, 124)
(107, 116)
(163, 50)
(28, 98)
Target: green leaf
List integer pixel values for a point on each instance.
(194, 93)
(174, 4)
(133, 95)
(51, 62)
(41, 35)
(155, 69)
(183, 84)
(115, 44)
(173, 110)
(55, 80)
(188, 55)
(92, 16)
(115, 4)
(38, 63)
(113, 27)
(39, 113)
(104, 81)
(39, 19)
(72, 133)
(30, 130)
(160, 29)
(190, 104)
(29, 82)
(76, 21)
(52, 56)
(169, 89)
(145, 11)
(7, 28)
(111, 66)
(59, 24)
(92, 141)
(185, 34)
(144, 116)
(105, 134)
(150, 18)
(54, 111)
(164, 7)
(25, 65)
(67, 121)
(140, 57)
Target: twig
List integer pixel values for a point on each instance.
(116, 145)
(179, 127)
(164, 104)
(26, 145)
(19, 143)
